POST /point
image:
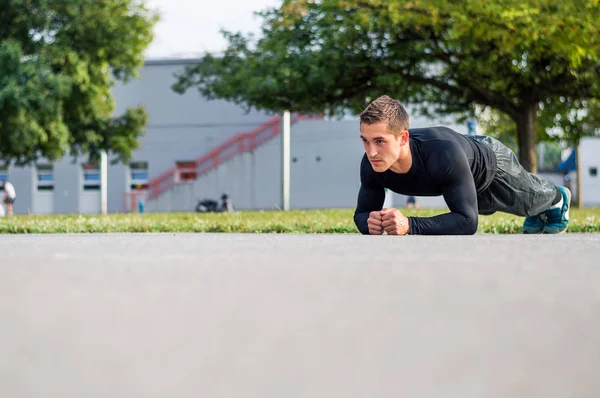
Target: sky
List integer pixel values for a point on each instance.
(191, 27)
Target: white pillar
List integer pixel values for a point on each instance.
(252, 181)
(34, 192)
(104, 181)
(285, 159)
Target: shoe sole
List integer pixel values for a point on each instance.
(532, 233)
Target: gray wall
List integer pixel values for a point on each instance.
(589, 155)
(253, 181)
(181, 127)
(66, 186)
(20, 177)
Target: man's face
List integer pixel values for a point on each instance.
(383, 148)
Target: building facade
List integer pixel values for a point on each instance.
(180, 128)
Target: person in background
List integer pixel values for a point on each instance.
(226, 205)
(411, 203)
(9, 196)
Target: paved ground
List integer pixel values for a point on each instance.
(285, 316)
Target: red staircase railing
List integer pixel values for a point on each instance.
(243, 142)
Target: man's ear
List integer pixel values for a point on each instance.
(404, 137)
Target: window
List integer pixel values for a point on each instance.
(187, 170)
(91, 177)
(594, 171)
(138, 172)
(45, 177)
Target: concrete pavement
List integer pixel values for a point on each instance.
(234, 315)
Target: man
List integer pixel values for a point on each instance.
(411, 203)
(9, 196)
(226, 205)
(475, 175)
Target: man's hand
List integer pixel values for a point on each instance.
(393, 222)
(375, 223)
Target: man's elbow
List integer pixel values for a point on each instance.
(363, 229)
(470, 225)
(361, 224)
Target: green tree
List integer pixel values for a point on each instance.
(566, 122)
(444, 56)
(58, 62)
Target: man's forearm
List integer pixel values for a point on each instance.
(444, 224)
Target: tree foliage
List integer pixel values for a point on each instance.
(568, 123)
(58, 62)
(443, 56)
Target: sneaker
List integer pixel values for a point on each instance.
(534, 225)
(557, 220)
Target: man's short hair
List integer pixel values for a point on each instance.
(386, 109)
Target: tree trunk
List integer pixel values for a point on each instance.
(526, 137)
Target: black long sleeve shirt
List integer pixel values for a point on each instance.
(444, 162)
